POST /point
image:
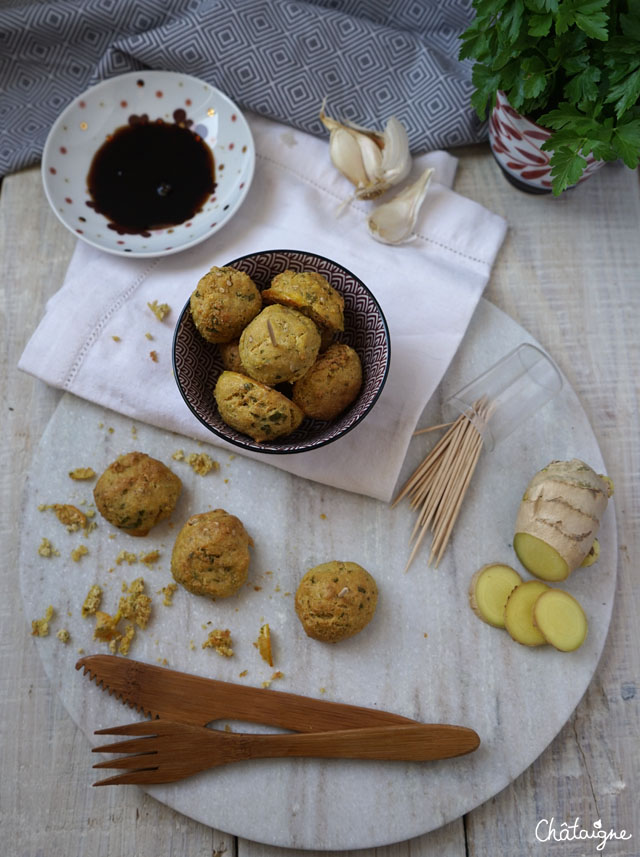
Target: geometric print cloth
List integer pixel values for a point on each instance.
(371, 59)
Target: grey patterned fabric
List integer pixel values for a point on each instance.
(280, 58)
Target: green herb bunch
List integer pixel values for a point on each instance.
(573, 66)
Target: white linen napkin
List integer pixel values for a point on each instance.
(93, 340)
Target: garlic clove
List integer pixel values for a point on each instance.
(370, 160)
(393, 221)
(346, 155)
(396, 161)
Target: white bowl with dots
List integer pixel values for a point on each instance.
(115, 107)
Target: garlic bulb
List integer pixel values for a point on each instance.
(393, 221)
(370, 160)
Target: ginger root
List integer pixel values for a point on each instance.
(489, 590)
(593, 556)
(560, 620)
(518, 613)
(559, 517)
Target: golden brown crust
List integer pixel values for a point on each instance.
(255, 409)
(136, 492)
(336, 600)
(331, 385)
(311, 294)
(223, 303)
(211, 554)
(279, 345)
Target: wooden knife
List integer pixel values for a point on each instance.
(170, 695)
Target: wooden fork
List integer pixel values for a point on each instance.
(168, 751)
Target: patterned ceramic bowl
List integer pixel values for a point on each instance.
(197, 362)
(183, 106)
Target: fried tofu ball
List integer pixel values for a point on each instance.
(136, 492)
(279, 345)
(311, 294)
(336, 600)
(230, 354)
(210, 556)
(223, 303)
(331, 385)
(255, 409)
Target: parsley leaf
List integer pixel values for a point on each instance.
(626, 142)
(487, 83)
(584, 86)
(566, 169)
(626, 93)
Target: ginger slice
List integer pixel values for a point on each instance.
(560, 619)
(518, 613)
(489, 590)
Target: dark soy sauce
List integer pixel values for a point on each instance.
(150, 175)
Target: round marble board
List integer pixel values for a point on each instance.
(424, 655)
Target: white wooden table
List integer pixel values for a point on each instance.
(569, 273)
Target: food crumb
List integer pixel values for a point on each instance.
(79, 552)
(63, 635)
(154, 356)
(201, 463)
(323, 517)
(149, 336)
(81, 651)
(192, 645)
(105, 628)
(92, 601)
(243, 673)
(220, 641)
(159, 310)
(40, 627)
(178, 455)
(263, 644)
(135, 604)
(116, 339)
(126, 556)
(168, 591)
(277, 674)
(125, 641)
(425, 635)
(47, 549)
(323, 690)
(82, 473)
(150, 558)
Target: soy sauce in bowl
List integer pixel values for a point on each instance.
(150, 175)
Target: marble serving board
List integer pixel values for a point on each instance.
(424, 655)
